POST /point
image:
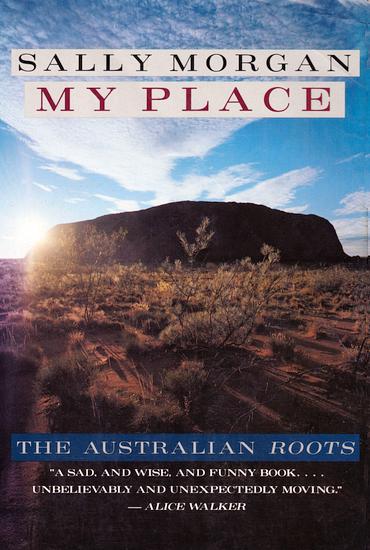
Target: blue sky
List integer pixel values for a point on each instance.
(55, 170)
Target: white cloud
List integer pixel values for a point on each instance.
(139, 154)
(274, 192)
(312, 3)
(356, 247)
(121, 205)
(297, 209)
(352, 157)
(350, 227)
(46, 188)
(349, 3)
(279, 191)
(359, 201)
(353, 235)
(213, 186)
(69, 173)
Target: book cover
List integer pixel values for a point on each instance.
(184, 347)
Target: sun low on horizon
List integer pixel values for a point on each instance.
(30, 231)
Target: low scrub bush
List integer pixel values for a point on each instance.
(283, 346)
(77, 262)
(189, 384)
(159, 414)
(218, 309)
(68, 377)
(68, 380)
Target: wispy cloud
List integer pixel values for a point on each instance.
(297, 209)
(46, 188)
(280, 191)
(121, 205)
(141, 155)
(311, 3)
(212, 187)
(352, 157)
(353, 203)
(138, 154)
(349, 3)
(275, 192)
(351, 227)
(69, 173)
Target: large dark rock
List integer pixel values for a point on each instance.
(240, 230)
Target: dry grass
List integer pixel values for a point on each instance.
(295, 322)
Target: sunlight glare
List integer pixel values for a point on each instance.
(30, 232)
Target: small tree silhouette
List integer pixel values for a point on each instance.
(203, 237)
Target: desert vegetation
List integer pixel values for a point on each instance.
(170, 345)
(179, 347)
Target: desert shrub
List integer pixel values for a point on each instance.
(193, 331)
(218, 309)
(68, 379)
(149, 322)
(77, 262)
(189, 384)
(283, 346)
(140, 317)
(73, 404)
(203, 237)
(76, 339)
(159, 414)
